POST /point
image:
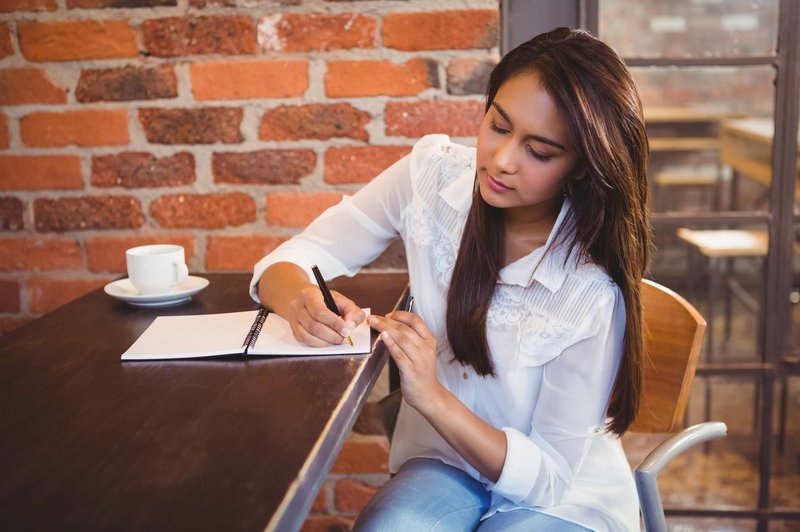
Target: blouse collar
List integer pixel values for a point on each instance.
(547, 265)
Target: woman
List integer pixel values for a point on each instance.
(523, 363)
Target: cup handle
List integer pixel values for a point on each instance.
(181, 272)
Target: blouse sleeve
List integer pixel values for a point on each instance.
(354, 232)
(570, 411)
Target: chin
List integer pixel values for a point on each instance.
(488, 196)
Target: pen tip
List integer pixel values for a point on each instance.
(350, 341)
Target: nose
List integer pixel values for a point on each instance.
(505, 158)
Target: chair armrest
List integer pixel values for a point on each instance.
(647, 471)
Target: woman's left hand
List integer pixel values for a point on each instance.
(413, 348)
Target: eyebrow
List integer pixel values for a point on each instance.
(538, 138)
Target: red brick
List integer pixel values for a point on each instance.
(297, 209)
(180, 36)
(48, 293)
(469, 75)
(11, 214)
(414, 119)
(214, 3)
(127, 83)
(75, 40)
(107, 253)
(9, 296)
(306, 32)
(238, 252)
(40, 172)
(242, 80)
(205, 125)
(441, 30)
(210, 211)
(326, 523)
(92, 4)
(380, 78)
(79, 128)
(320, 504)
(359, 164)
(88, 212)
(367, 454)
(6, 48)
(141, 169)
(263, 167)
(9, 324)
(20, 86)
(314, 121)
(8, 6)
(5, 140)
(351, 496)
(25, 254)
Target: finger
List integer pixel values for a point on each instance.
(399, 355)
(413, 321)
(401, 332)
(351, 313)
(400, 336)
(320, 313)
(302, 335)
(312, 325)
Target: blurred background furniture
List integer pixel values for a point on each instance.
(685, 129)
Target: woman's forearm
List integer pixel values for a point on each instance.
(480, 444)
(280, 284)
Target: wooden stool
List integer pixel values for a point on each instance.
(674, 179)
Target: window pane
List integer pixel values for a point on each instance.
(690, 28)
(687, 111)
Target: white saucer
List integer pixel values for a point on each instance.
(124, 290)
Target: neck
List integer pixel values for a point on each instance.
(527, 229)
(533, 219)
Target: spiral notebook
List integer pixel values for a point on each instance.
(252, 332)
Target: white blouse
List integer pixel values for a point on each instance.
(554, 327)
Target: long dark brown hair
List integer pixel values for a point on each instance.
(608, 223)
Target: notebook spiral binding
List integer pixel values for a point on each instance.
(255, 329)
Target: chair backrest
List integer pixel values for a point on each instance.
(673, 338)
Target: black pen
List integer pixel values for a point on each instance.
(408, 304)
(326, 295)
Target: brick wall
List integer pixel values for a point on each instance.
(221, 125)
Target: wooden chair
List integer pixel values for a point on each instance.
(673, 340)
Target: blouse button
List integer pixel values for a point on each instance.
(466, 376)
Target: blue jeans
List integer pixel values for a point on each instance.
(428, 495)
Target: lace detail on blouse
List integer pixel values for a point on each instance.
(430, 221)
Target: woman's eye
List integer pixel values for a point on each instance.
(538, 156)
(494, 127)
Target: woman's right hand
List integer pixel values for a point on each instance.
(316, 326)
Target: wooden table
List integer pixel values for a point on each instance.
(675, 119)
(88, 443)
(746, 146)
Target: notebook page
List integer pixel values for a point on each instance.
(200, 335)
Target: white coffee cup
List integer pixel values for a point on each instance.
(156, 268)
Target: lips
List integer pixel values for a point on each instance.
(495, 185)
